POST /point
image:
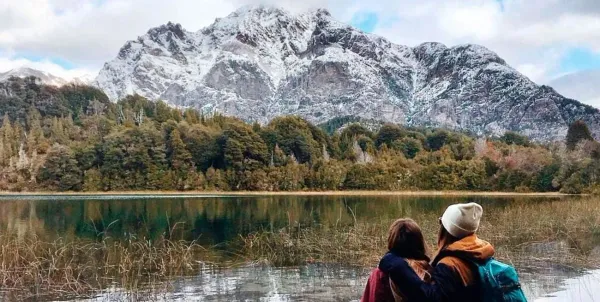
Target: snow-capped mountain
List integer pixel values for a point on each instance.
(583, 85)
(45, 78)
(261, 62)
(23, 72)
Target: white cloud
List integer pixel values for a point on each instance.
(532, 35)
(468, 21)
(89, 32)
(533, 71)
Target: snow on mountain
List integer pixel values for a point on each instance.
(583, 85)
(23, 72)
(44, 77)
(261, 62)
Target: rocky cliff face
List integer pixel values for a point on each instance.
(261, 62)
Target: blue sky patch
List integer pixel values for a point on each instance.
(501, 3)
(36, 58)
(365, 21)
(579, 59)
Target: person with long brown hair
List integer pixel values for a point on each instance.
(453, 277)
(405, 240)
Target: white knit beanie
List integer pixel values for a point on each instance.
(462, 220)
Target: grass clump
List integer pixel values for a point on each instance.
(33, 267)
(521, 233)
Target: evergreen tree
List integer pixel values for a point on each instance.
(437, 139)
(409, 146)
(513, 138)
(9, 138)
(60, 171)
(179, 158)
(387, 134)
(578, 131)
(92, 181)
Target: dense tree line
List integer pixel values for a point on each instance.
(74, 139)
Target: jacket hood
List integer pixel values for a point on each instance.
(472, 247)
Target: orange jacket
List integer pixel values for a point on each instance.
(471, 247)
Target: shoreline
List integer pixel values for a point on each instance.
(289, 193)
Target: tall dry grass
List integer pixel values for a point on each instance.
(33, 268)
(558, 232)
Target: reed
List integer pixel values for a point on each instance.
(33, 267)
(522, 233)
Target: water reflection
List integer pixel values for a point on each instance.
(585, 288)
(212, 220)
(253, 283)
(316, 282)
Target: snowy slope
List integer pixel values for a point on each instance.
(44, 77)
(261, 62)
(23, 72)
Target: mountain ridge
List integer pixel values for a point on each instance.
(261, 62)
(44, 77)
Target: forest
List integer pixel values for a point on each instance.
(73, 138)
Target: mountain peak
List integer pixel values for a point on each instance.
(25, 72)
(258, 9)
(260, 62)
(170, 27)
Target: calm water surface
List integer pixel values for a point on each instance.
(216, 220)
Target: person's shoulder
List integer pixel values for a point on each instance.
(422, 268)
(452, 262)
(459, 267)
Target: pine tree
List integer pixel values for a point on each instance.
(3, 158)
(8, 138)
(191, 116)
(60, 171)
(179, 159)
(578, 131)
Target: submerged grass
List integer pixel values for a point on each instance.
(522, 233)
(34, 268)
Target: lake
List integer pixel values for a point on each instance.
(553, 241)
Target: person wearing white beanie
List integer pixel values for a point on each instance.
(454, 277)
(461, 220)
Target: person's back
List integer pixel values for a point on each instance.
(405, 239)
(422, 268)
(455, 277)
(457, 259)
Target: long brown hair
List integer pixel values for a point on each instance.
(444, 237)
(405, 239)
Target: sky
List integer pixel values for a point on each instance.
(543, 39)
